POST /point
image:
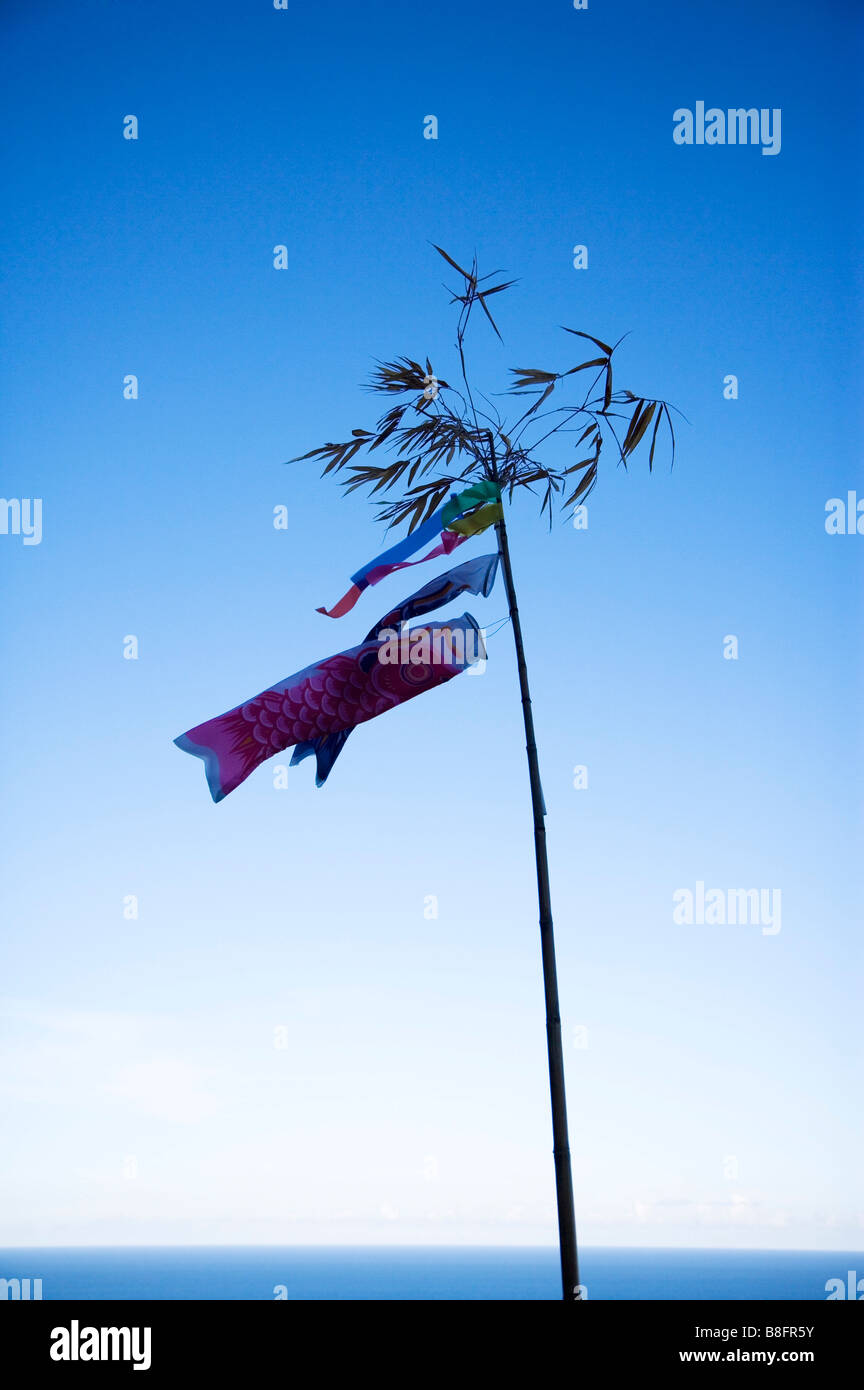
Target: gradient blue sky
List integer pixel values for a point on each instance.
(144, 1095)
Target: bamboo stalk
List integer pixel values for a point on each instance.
(560, 1140)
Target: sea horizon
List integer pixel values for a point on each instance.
(405, 1272)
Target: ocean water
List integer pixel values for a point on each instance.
(376, 1272)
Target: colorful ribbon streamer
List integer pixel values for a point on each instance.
(449, 523)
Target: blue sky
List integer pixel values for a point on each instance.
(282, 1046)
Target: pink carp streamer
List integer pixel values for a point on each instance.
(332, 697)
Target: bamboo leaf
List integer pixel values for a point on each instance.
(639, 431)
(654, 440)
(415, 519)
(450, 261)
(671, 432)
(585, 486)
(528, 377)
(386, 481)
(548, 392)
(634, 420)
(603, 346)
(313, 453)
(386, 433)
(496, 289)
(595, 362)
(489, 317)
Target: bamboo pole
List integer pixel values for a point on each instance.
(560, 1140)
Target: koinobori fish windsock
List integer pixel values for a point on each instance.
(331, 697)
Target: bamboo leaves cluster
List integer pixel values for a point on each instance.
(455, 439)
